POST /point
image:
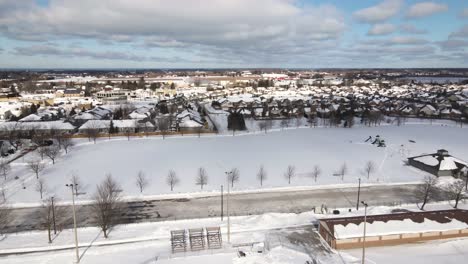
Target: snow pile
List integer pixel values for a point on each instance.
(278, 255)
(379, 228)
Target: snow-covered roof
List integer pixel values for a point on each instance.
(444, 162)
(379, 228)
(31, 117)
(44, 125)
(450, 163)
(428, 160)
(103, 124)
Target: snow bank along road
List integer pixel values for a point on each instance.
(285, 201)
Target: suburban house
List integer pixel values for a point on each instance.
(439, 163)
(45, 127)
(120, 126)
(393, 229)
(190, 121)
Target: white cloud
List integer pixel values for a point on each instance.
(380, 12)
(424, 9)
(411, 29)
(461, 33)
(453, 44)
(407, 40)
(381, 29)
(52, 50)
(464, 13)
(238, 26)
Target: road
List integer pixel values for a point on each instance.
(24, 219)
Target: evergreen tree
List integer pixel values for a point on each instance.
(112, 129)
(33, 109)
(72, 112)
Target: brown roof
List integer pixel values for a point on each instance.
(441, 216)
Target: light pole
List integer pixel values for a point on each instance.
(72, 186)
(364, 235)
(228, 173)
(358, 194)
(53, 214)
(222, 203)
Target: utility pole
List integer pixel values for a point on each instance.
(227, 209)
(53, 214)
(364, 235)
(358, 194)
(74, 221)
(222, 203)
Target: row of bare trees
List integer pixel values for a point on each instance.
(172, 180)
(427, 191)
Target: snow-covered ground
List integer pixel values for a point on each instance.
(303, 148)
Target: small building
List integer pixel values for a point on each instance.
(438, 164)
(393, 229)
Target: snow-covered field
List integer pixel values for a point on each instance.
(303, 148)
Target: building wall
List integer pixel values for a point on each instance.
(390, 240)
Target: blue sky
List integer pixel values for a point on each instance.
(233, 33)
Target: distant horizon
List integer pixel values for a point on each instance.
(236, 68)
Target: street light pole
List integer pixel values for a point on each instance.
(227, 209)
(222, 203)
(53, 214)
(364, 235)
(72, 186)
(358, 194)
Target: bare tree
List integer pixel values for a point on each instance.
(316, 172)
(290, 173)
(128, 132)
(106, 203)
(77, 184)
(164, 125)
(52, 152)
(5, 216)
(426, 190)
(369, 168)
(269, 123)
(298, 122)
(172, 180)
(455, 191)
(41, 186)
(5, 168)
(50, 215)
(42, 150)
(3, 192)
(465, 177)
(261, 175)
(202, 177)
(37, 137)
(12, 133)
(66, 143)
(343, 170)
(199, 130)
(141, 181)
(284, 124)
(92, 130)
(262, 125)
(233, 176)
(36, 167)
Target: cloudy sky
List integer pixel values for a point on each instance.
(233, 33)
